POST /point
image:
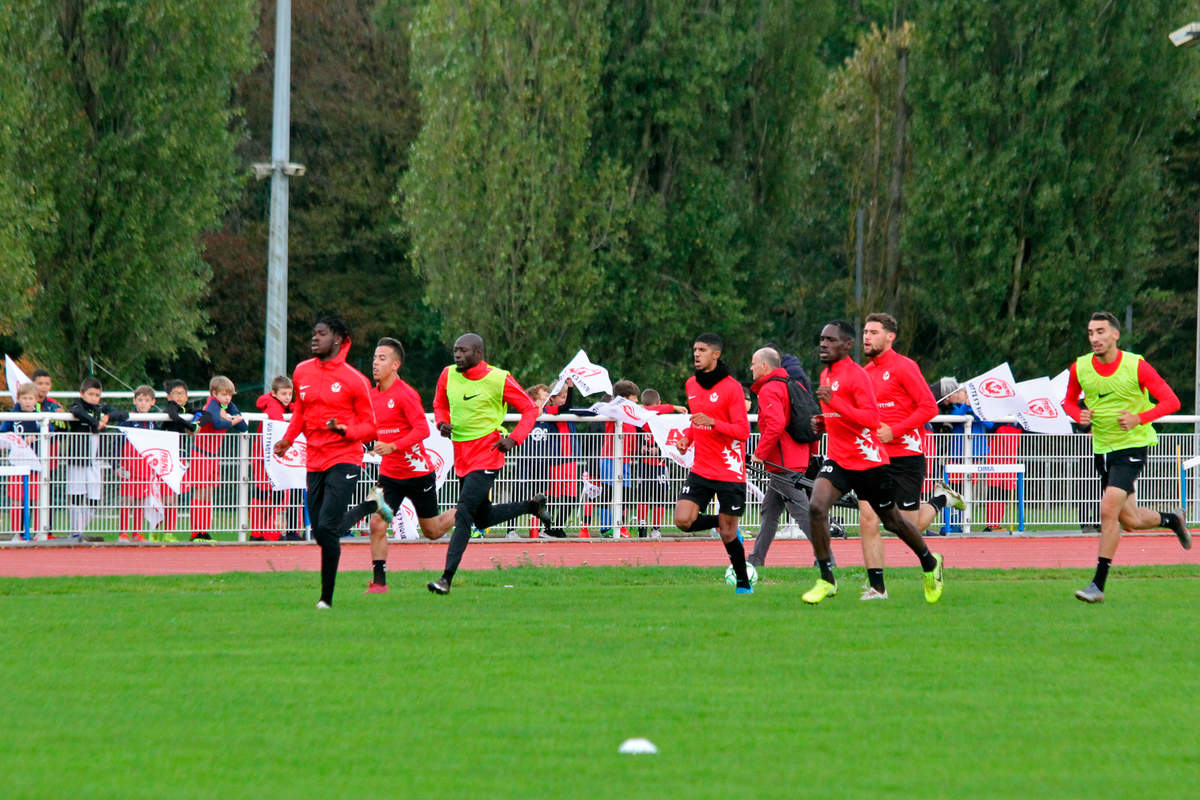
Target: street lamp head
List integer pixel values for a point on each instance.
(1187, 36)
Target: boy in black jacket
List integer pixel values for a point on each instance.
(84, 487)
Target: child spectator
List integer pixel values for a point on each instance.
(219, 416)
(181, 420)
(84, 486)
(43, 383)
(564, 464)
(268, 508)
(28, 429)
(138, 483)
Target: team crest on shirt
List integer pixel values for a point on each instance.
(391, 403)
(833, 386)
(713, 397)
(887, 375)
(337, 387)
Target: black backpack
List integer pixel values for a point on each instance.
(803, 407)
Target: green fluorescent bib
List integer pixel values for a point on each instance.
(1108, 397)
(476, 407)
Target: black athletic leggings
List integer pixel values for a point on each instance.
(475, 509)
(329, 493)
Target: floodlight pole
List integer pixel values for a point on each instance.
(275, 346)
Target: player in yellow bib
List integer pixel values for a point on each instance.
(1116, 387)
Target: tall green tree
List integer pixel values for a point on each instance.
(354, 116)
(706, 103)
(20, 212)
(129, 144)
(511, 223)
(1038, 136)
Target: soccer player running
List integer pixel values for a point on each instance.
(1116, 387)
(332, 408)
(856, 461)
(469, 407)
(406, 469)
(719, 430)
(905, 405)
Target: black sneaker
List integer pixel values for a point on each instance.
(293, 537)
(1181, 529)
(538, 503)
(557, 533)
(203, 536)
(440, 586)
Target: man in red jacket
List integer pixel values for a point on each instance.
(778, 448)
(719, 430)
(905, 406)
(332, 408)
(856, 461)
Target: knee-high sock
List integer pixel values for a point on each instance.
(737, 557)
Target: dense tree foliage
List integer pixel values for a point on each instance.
(617, 175)
(121, 149)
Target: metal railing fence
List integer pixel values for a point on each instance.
(95, 485)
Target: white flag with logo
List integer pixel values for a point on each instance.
(588, 378)
(14, 376)
(667, 430)
(159, 451)
(993, 395)
(1043, 412)
(20, 454)
(289, 470)
(623, 410)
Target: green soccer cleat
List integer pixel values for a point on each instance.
(820, 590)
(953, 498)
(933, 581)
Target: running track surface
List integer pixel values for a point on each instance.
(26, 561)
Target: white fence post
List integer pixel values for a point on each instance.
(618, 479)
(243, 508)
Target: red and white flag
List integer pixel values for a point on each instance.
(288, 471)
(623, 410)
(588, 378)
(667, 430)
(159, 451)
(993, 395)
(1043, 412)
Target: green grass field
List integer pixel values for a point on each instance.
(523, 682)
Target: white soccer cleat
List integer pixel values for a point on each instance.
(871, 593)
(953, 498)
(321, 604)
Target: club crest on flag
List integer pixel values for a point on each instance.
(159, 451)
(996, 388)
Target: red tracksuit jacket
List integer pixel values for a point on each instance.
(326, 389)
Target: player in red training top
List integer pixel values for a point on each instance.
(406, 471)
(469, 406)
(855, 460)
(905, 406)
(719, 430)
(332, 408)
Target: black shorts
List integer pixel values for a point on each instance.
(422, 490)
(908, 473)
(873, 485)
(1121, 468)
(731, 495)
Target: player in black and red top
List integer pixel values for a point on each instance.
(719, 430)
(406, 469)
(855, 460)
